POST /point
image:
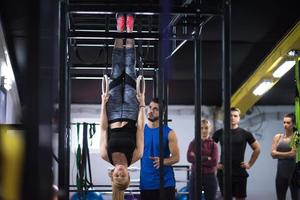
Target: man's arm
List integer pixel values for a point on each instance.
(256, 150)
(174, 149)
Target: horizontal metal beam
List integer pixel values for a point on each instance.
(140, 9)
(94, 77)
(147, 67)
(104, 45)
(113, 35)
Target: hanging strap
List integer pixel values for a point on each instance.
(79, 182)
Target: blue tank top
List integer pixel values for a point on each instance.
(149, 176)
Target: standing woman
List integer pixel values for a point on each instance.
(122, 115)
(282, 151)
(209, 156)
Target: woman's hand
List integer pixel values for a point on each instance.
(141, 99)
(104, 98)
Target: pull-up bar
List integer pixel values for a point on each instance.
(140, 9)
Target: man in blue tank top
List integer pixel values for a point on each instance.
(149, 176)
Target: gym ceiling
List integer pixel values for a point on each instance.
(257, 27)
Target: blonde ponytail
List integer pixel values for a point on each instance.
(118, 189)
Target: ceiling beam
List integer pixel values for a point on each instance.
(243, 98)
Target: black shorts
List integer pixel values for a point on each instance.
(239, 185)
(239, 188)
(169, 193)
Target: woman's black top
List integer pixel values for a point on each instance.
(122, 140)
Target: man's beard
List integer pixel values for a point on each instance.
(153, 119)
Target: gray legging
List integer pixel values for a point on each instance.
(284, 175)
(285, 168)
(122, 103)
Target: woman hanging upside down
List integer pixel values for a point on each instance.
(122, 115)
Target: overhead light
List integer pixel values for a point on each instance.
(6, 83)
(263, 87)
(283, 68)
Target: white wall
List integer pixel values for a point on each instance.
(264, 122)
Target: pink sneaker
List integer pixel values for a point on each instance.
(129, 23)
(120, 23)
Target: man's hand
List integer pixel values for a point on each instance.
(155, 161)
(245, 165)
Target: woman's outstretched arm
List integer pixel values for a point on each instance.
(103, 128)
(138, 152)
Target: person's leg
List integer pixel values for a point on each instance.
(130, 108)
(169, 193)
(149, 194)
(210, 186)
(120, 22)
(191, 186)
(114, 104)
(220, 180)
(120, 28)
(281, 187)
(295, 190)
(239, 188)
(129, 22)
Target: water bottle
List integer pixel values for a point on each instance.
(202, 195)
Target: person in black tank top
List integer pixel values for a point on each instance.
(286, 155)
(122, 116)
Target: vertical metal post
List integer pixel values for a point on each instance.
(226, 56)
(160, 97)
(154, 83)
(40, 89)
(63, 170)
(198, 102)
(163, 64)
(31, 101)
(166, 90)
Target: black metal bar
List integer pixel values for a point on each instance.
(98, 77)
(104, 186)
(176, 18)
(226, 57)
(63, 93)
(88, 35)
(147, 66)
(41, 61)
(31, 87)
(154, 83)
(68, 109)
(184, 41)
(140, 9)
(198, 102)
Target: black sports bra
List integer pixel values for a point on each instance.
(122, 140)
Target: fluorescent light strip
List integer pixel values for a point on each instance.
(262, 88)
(283, 68)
